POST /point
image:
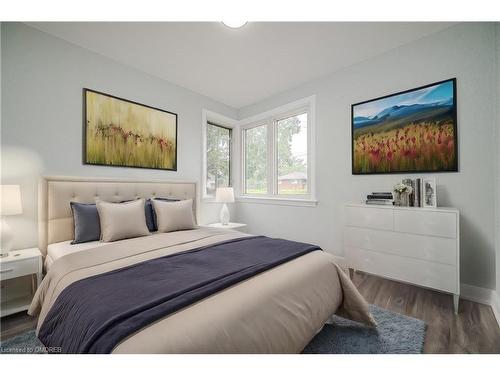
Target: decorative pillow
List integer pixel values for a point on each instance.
(122, 220)
(86, 221)
(172, 216)
(150, 212)
(155, 220)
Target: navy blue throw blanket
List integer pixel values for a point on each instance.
(95, 314)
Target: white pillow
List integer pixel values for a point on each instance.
(171, 216)
(122, 220)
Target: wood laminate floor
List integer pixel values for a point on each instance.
(473, 330)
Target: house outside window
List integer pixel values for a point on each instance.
(277, 153)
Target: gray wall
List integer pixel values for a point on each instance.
(42, 85)
(41, 133)
(465, 51)
(498, 157)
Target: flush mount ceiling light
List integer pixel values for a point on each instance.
(234, 24)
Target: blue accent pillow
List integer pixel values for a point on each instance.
(150, 216)
(150, 212)
(87, 223)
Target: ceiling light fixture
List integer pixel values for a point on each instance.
(234, 24)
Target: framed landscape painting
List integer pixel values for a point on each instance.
(119, 132)
(410, 131)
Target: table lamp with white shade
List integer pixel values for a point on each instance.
(224, 195)
(11, 205)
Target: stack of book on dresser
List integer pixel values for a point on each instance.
(380, 198)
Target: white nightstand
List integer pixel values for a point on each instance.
(228, 226)
(16, 296)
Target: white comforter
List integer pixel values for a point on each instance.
(278, 311)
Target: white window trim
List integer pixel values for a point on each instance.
(268, 118)
(209, 116)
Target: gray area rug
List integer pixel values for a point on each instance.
(395, 333)
(25, 343)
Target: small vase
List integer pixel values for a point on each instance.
(401, 200)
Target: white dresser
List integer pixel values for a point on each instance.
(417, 245)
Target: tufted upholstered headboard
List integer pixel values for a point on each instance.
(55, 220)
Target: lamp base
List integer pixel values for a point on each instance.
(224, 215)
(6, 241)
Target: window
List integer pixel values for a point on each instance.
(218, 157)
(256, 160)
(276, 160)
(291, 139)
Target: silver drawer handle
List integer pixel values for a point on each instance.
(8, 270)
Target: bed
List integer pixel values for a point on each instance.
(278, 309)
(59, 249)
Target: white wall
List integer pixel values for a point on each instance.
(42, 85)
(465, 51)
(0, 87)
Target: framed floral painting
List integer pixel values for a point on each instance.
(123, 133)
(410, 131)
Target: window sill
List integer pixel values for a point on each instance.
(300, 202)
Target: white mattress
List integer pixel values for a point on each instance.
(60, 249)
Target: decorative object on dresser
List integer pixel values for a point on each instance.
(224, 195)
(415, 195)
(11, 205)
(429, 192)
(411, 193)
(380, 198)
(402, 192)
(417, 184)
(410, 131)
(16, 292)
(120, 132)
(419, 246)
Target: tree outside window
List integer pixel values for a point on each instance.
(218, 157)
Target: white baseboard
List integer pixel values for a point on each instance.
(476, 294)
(495, 306)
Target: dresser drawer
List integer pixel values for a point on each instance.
(369, 217)
(415, 271)
(424, 222)
(434, 249)
(9, 270)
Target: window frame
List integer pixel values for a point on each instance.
(270, 119)
(230, 177)
(243, 130)
(215, 119)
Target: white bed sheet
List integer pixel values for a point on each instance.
(60, 249)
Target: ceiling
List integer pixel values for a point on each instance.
(241, 66)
